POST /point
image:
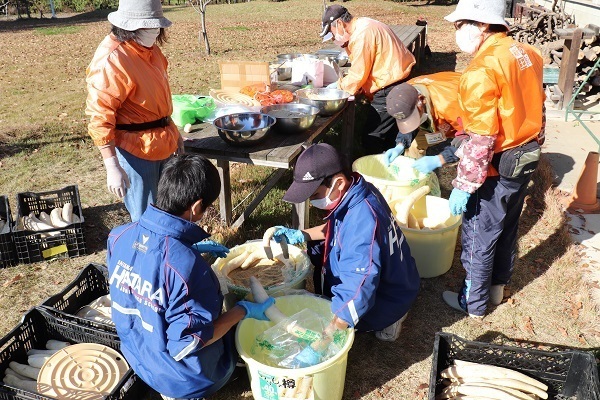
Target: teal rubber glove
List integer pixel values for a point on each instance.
(332, 85)
(256, 310)
(292, 236)
(210, 246)
(458, 201)
(393, 153)
(308, 357)
(427, 164)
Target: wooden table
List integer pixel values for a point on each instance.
(279, 151)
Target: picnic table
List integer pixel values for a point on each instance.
(279, 151)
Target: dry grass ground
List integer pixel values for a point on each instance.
(44, 146)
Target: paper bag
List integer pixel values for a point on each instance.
(331, 72)
(308, 72)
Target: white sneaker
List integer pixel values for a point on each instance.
(496, 294)
(392, 332)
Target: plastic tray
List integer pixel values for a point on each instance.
(8, 255)
(39, 246)
(35, 329)
(569, 374)
(91, 283)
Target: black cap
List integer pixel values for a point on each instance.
(314, 165)
(401, 103)
(331, 14)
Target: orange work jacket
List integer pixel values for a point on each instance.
(441, 95)
(127, 84)
(378, 58)
(501, 92)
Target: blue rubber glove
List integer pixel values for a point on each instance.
(292, 236)
(256, 310)
(308, 357)
(427, 164)
(391, 154)
(332, 85)
(210, 246)
(458, 201)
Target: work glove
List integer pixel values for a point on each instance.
(332, 85)
(308, 357)
(427, 164)
(391, 154)
(210, 246)
(292, 236)
(116, 177)
(256, 310)
(458, 201)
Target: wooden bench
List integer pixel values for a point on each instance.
(414, 37)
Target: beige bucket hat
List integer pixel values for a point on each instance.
(486, 11)
(138, 14)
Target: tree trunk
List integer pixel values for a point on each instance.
(204, 33)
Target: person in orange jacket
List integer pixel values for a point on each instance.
(129, 103)
(426, 112)
(378, 62)
(501, 100)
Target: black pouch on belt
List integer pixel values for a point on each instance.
(519, 161)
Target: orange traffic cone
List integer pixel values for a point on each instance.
(584, 193)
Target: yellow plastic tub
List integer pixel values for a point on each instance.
(396, 181)
(433, 250)
(324, 381)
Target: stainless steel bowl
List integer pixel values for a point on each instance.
(244, 129)
(342, 59)
(292, 117)
(328, 101)
(291, 56)
(283, 68)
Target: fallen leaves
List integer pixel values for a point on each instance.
(528, 325)
(14, 279)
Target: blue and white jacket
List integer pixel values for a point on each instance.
(165, 298)
(368, 271)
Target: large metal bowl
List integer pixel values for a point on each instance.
(342, 59)
(292, 117)
(244, 129)
(283, 69)
(292, 56)
(328, 101)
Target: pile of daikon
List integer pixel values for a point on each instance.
(98, 310)
(468, 380)
(25, 376)
(59, 217)
(403, 210)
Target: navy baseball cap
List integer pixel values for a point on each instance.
(314, 165)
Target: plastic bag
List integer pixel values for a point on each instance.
(282, 343)
(187, 108)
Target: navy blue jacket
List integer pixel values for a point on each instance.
(165, 298)
(368, 272)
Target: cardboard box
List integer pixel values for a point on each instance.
(237, 74)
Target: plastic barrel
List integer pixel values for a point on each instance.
(396, 181)
(433, 250)
(324, 381)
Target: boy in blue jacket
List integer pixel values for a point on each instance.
(362, 260)
(166, 300)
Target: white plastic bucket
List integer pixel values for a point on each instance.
(433, 250)
(324, 381)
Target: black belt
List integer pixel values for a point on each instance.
(159, 123)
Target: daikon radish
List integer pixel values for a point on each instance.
(55, 217)
(252, 259)
(507, 383)
(67, 213)
(234, 263)
(56, 344)
(403, 209)
(24, 370)
(413, 223)
(36, 361)
(492, 393)
(76, 219)
(267, 237)
(32, 224)
(45, 218)
(102, 301)
(470, 369)
(9, 371)
(41, 352)
(23, 384)
(432, 223)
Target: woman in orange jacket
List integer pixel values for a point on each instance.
(501, 106)
(129, 103)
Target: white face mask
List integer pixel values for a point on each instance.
(147, 36)
(469, 38)
(340, 40)
(326, 203)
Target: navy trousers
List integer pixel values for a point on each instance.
(489, 237)
(380, 129)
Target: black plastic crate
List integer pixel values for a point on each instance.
(91, 283)
(569, 374)
(8, 255)
(64, 242)
(35, 329)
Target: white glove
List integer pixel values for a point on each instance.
(116, 178)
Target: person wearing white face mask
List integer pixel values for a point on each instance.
(362, 260)
(501, 102)
(378, 62)
(129, 103)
